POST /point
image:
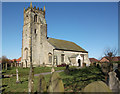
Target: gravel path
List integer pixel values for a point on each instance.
(46, 73)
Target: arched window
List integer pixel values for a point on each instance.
(35, 18)
(50, 57)
(62, 57)
(26, 53)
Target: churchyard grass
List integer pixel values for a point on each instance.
(9, 84)
(75, 80)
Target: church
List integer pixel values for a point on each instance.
(42, 50)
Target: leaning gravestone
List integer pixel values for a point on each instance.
(97, 86)
(55, 83)
(41, 84)
(113, 82)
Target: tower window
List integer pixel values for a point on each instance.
(26, 15)
(35, 31)
(35, 18)
(26, 53)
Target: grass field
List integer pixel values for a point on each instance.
(74, 80)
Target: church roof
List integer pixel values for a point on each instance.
(65, 45)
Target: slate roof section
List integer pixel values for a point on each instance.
(65, 45)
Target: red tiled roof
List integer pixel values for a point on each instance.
(104, 59)
(116, 58)
(92, 60)
(13, 60)
(18, 60)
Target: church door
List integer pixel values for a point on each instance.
(79, 62)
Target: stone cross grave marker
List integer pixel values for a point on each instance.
(17, 78)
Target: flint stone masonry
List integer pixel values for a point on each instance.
(36, 46)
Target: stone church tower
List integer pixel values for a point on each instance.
(33, 36)
(42, 50)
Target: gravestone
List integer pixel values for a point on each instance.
(115, 66)
(6, 66)
(41, 84)
(17, 78)
(52, 70)
(113, 82)
(11, 65)
(55, 83)
(97, 86)
(67, 70)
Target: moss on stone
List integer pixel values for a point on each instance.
(55, 83)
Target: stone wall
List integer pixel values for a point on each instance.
(69, 54)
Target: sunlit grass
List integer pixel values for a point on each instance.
(75, 80)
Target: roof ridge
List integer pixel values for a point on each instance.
(61, 39)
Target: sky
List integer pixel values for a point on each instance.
(92, 26)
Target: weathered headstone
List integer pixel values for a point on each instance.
(17, 78)
(41, 84)
(11, 65)
(52, 70)
(6, 66)
(55, 83)
(97, 86)
(15, 64)
(67, 70)
(115, 66)
(21, 64)
(113, 82)
(67, 67)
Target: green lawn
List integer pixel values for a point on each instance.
(75, 80)
(9, 84)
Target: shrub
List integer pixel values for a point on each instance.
(62, 65)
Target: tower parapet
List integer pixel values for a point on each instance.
(35, 10)
(31, 12)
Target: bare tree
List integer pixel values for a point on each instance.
(110, 54)
(107, 67)
(5, 62)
